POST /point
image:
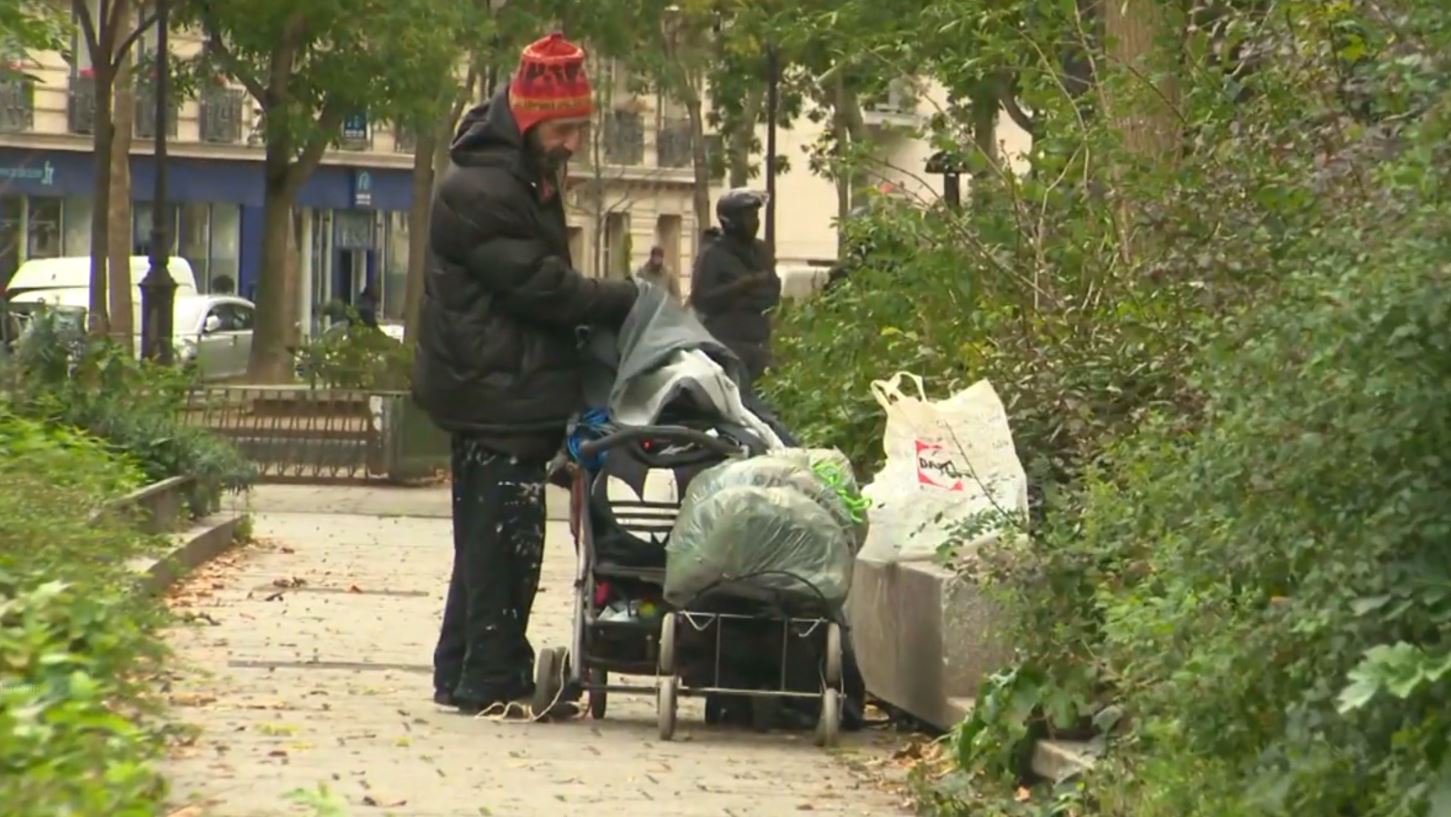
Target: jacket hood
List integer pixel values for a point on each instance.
(487, 134)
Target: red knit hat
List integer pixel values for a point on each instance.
(550, 83)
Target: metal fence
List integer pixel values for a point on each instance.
(298, 433)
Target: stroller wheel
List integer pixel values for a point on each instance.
(828, 728)
(833, 654)
(667, 644)
(598, 697)
(548, 680)
(665, 706)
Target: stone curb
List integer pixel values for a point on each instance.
(1060, 760)
(207, 539)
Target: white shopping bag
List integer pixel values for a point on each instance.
(951, 471)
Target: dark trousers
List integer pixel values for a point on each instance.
(483, 653)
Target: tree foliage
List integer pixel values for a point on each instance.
(309, 65)
(1215, 306)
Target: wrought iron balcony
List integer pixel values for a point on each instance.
(672, 144)
(17, 105)
(624, 138)
(81, 104)
(145, 125)
(220, 115)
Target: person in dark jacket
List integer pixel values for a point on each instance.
(498, 362)
(734, 282)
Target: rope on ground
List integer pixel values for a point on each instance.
(518, 713)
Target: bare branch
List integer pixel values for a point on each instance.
(88, 27)
(328, 121)
(292, 35)
(217, 47)
(136, 34)
(111, 22)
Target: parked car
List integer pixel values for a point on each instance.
(214, 333)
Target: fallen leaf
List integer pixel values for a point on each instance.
(353, 588)
(370, 800)
(1024, 795)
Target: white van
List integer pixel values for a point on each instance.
(64, 285)
(72, 273)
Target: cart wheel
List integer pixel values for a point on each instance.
(598, 697)
(828, 728)
(548, 679)
(667, 644)
(833, 654)
(765, 714)
(714, 710)
(665, 706)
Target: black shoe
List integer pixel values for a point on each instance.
(470, 704)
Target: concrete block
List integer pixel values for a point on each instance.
(1060, 760)
(158, 507)
(925, 637)
(207, 539)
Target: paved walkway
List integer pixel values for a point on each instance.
(310, 667)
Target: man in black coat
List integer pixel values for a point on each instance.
(734, 282)
(498, 359)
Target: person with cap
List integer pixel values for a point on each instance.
(655, 272)
(734, 282)
(498, 358)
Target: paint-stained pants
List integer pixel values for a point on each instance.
(483, 653)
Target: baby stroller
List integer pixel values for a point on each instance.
(736, 642)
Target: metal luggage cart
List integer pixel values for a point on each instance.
(663, 647)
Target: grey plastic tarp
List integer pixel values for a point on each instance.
(771, 522)
(661, 355)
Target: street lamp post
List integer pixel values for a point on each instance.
(158, 290)
(773, 71)
(950, 169)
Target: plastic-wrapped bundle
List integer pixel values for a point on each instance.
(770, 521)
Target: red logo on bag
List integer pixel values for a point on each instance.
(936, 468)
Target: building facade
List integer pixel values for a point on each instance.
(630, 193)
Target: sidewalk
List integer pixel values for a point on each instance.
(316, 670)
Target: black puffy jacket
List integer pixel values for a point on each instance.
(734, 314)
(498, 343)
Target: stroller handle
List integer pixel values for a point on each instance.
(678, 434)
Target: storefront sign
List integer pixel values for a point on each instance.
(355, 128)
(362, 189)
(44, 174)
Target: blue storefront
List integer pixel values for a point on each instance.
(355, 217)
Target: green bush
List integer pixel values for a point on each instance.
(136, 406)
(78, 729)
(356, 356)
(1228, 368)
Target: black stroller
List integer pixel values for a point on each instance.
(734, 643)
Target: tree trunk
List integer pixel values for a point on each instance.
(270, 361)
(743, 135)
(1144, 114)
(843, 183)
(122, 312)
(418, 227)
(984, 109)
(99, 323)
(844, 137)
(699, 159)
